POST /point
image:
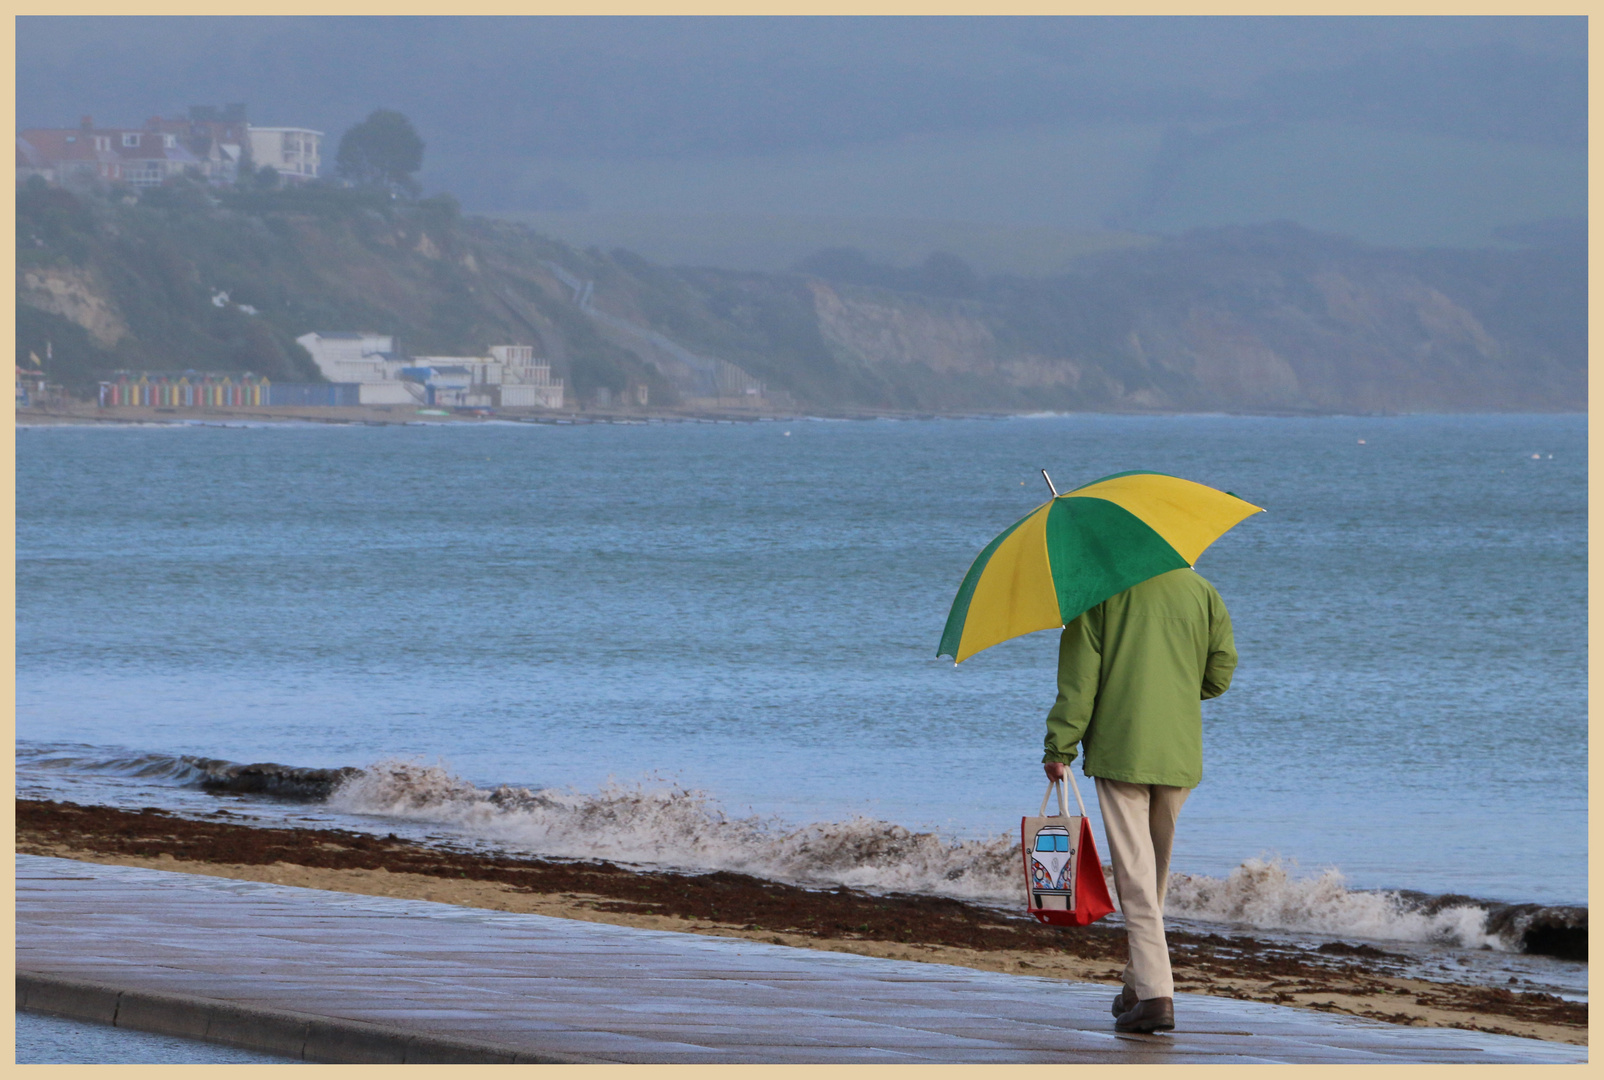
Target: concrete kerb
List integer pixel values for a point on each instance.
(301, 1036)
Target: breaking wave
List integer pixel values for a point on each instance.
(662, 824)
(671, 826)
(186, 770)
(1266, 895)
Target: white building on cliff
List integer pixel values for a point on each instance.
(295, 152)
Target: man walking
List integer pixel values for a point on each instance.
(1132, 672)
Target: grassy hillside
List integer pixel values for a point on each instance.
(122, 284)
(1269, 318)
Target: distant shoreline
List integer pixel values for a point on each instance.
(389, 415)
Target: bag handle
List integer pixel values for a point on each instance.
(1063, 802)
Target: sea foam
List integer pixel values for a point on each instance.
(1266, 894)
(666, 825)
(662, 824)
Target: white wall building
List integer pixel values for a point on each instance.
(511, 377)
(365, 358)
(389, 393)
(352, 356)
(294, 152)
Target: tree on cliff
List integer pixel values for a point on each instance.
(383, 150)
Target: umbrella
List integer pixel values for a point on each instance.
(1077, 549)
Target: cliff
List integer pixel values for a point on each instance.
(1266, 319)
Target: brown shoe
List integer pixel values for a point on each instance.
(1154, 1014)
(1125, 1002)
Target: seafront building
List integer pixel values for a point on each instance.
(191, 390)
(362, 368)
(365, 360)
(510, 377)
(34, 387)
(196, 390)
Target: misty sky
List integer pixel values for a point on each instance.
(1406, 131)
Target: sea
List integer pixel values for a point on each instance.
(713, 646)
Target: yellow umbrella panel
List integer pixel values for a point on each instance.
(1081, 547)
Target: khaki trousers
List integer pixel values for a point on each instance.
(1139, 821)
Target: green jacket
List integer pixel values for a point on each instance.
(1132, 673)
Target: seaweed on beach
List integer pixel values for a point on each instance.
(1223, 965)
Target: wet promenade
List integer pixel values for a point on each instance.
(338, 977)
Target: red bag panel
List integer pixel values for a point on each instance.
(1092, 901)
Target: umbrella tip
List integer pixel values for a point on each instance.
(1049, 480)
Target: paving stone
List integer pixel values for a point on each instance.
(533, 984)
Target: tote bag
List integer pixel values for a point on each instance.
(1064, 883)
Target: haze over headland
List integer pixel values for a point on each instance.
(956, 213)
(709, 140)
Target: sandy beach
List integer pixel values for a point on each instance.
(1339, 977)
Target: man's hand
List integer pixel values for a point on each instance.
(1056, 770)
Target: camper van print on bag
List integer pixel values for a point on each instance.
(1049, 862)
(1064, 883)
